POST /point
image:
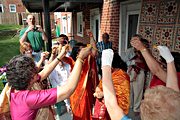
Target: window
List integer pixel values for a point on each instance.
(79, 24)
(12, 7)
(1, 8)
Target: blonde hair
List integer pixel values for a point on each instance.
(160, 103)
(24, 46)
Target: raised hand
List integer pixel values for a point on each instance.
(30, 28)
(54, 50)
(44, 55)
(89, 33)
(39, 28)
(136, 43)
(62, 49)
(165, 53)
(98, 93)
(84, 52)
(107, 57)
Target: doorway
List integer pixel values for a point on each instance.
(129, 18)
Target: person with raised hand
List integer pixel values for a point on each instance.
(159, 101)
(157, 68)
(22, 73)
(171, 79)
(115, 112)
(35, 35)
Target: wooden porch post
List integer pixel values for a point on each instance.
(47, 23)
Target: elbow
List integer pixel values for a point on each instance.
(156, 69)
(69, 91)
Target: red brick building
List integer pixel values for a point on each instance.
(156, 20)
(12, 6)
(11, 12)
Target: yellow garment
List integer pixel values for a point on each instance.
(4, 99)
(121, 81)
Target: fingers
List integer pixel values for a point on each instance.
(107, 57)
(44, 54)
(85, 52)
(136, 43)
(98, 94)
(59, 48)
(165, 53)
(162, 48)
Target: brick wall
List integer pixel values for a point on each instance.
(110, 20)
(86, 20)
(18, 3)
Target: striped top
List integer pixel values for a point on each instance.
(102, 46)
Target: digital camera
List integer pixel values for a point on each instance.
(35, 28)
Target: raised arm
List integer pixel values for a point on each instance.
(53, 53)
(44, 37)
(65, 91)
(23, 35)
(152, 63)
(115, 112)
(171, 80)
(92, 43)
(48, 68)
(42, 59)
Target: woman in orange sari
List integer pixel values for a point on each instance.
(121, 81)
(82, 100)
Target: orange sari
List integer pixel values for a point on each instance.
(121, 81)
(82, 100)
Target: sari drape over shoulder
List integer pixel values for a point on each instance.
(82, 99)
(121, 81)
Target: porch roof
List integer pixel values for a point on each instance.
(59, 5)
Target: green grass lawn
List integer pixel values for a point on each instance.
(9, 27)
(9, 46)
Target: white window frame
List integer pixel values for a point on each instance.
(2, 8)
(79, 24)
(126, 9)
(14, 5)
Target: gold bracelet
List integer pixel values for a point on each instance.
(58, 59)
(143, 50)
(80, 59)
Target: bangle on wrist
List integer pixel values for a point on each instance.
(80, 59)
(143, 50)
(58, 59)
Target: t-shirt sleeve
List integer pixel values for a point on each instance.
(21, 33)
(41, 98)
